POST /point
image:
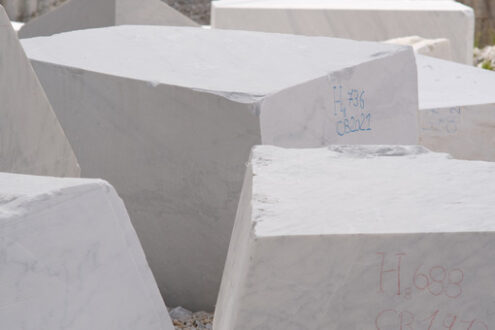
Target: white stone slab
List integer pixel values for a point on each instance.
(438, 48)
(16, 25)
(85, 14)
(168, 115)
(354, 19)
(361, 238)
(70, 259)
(457, 109)
(31, 139)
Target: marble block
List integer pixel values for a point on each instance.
(457, 109)
(31, 139)
(85, 14)
(361, 238)
(354, 19)
(70, 259)
(438, 48)
(168, 115)
(16, 25)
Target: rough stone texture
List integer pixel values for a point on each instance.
(168, 116)
(70, 259)
(197, 10)
(361, 238)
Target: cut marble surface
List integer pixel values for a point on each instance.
(354, 19)
(31, 139)
(438, 48)
(85, 14)
(70, 259)
(168, 115)
(457, 109)
(361, 238)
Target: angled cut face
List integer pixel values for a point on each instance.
(168, 115)
(457, 109)
(84, 14)
(377, 20)
(360, 237)
(70, 258)
(31, 139)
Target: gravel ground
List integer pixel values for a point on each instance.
(485, 57)
(184, 319)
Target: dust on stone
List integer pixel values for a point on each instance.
(184, 319)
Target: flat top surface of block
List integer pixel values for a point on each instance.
(212, 60)
(444, 84)
(367, 190)
(348, 4)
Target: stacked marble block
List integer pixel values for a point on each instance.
(169, 115)
(84, 14)
(457, 109)
(438, 48)
(31, 138)
(361, 237)
(375, 20)
(70, 259)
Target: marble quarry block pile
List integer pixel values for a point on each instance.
(438, 48)
(31, 139)
(354, 19)
(457, 109)
(168, 115)
(85, 14)
(70, 259)
(361, 237)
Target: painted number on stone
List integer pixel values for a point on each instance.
(433, 280)
(392, 319)
(350, 110)
(442, 121)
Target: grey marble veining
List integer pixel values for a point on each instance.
(31, 139)
(70, 259)
(168, 115)
(361, 238)
(376, 20)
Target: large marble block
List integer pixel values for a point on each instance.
(70, 259)
(85, 14)
(361, 238)
(457, 109)
(31, 139)
(438, 48)
(354, 19)
(168, 115)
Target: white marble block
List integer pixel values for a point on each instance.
(457, 109)
(31, 139)
(361, 238)
(168, 115)
(70, 259)
(85, 14)
(438, 48)
(354, 19)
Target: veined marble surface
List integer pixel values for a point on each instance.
(31, 139)
(168, 115)
(70, 259)
(361, 238)
(457, 109)
(354, 19)
(84, 14)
